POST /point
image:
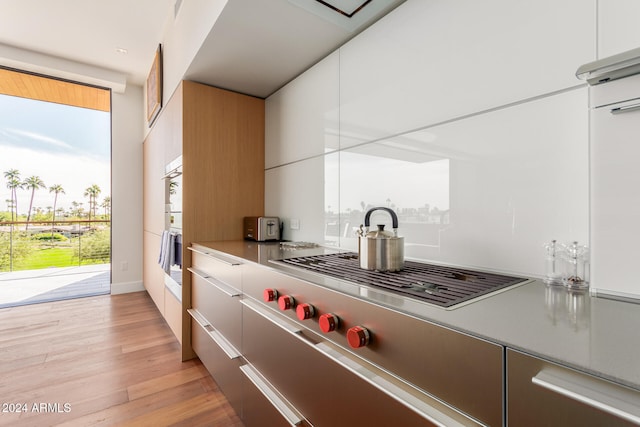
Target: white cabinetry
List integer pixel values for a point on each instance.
(427, 62)
(618, 29)
(302, 118)
(615, 180)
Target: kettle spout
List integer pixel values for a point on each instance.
(360, 231)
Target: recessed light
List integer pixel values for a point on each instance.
(122, 50)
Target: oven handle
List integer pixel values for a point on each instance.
(330, 351)
(272, 396)
(601, 395)
(216, 336)
(223, 260)
(221, 286)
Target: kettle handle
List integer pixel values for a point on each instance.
(394, 218)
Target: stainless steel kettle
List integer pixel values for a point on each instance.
(380, 250)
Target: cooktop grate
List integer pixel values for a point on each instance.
(440, 285)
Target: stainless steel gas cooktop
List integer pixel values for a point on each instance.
(435, 284)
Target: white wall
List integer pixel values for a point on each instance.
(127, 116)
(183, 37)
(470, 107)
(182, 40)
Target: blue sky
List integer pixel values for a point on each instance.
(62, 145)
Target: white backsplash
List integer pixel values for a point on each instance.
(486, 191)
(476, 136)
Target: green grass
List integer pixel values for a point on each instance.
(47, 257)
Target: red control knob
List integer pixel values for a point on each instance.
(328, 322)
(285, 302)
(269, 295)
(358, 336)
(305, 311)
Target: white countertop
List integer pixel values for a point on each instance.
(594, 335)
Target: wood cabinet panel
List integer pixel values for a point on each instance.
(220, 135)
(173, 313)
(153, 188)
(172, 127)
(223, 162)
(153, 276)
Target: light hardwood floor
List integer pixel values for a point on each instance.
(101, 361)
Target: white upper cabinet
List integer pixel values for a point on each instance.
(302, 117)
(432, 61)
(618, 29)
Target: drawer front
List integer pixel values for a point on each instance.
(324, 391)
(257, 410)
(226, 270)
(224, 370)
(263, 406)
(540, 393)
(218, 307)
(429, 356)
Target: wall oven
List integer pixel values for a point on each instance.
(170, 257)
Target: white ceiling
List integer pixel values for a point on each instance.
(255, 47)
(89, 31)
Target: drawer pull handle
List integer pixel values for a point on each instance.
(216, 336)
(221, 286)
(289, 327)
(268, 392)
(387, 387)
(607, 397)
(392, 390)
(216, 257)
(625, 109)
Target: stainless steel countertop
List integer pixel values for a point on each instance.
(593, 335)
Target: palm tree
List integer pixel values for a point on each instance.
(33, 183)
(92, 192)
(57, 189)
(77, 209)
(13, 183)
(106, 204)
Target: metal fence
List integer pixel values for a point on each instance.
(31, 246)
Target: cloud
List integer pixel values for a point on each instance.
(19, 135)
(75, 172)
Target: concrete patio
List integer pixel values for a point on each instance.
(55, 283)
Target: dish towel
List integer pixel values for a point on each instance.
(170, 250)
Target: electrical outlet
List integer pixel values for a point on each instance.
(124, 265)
(294, 224)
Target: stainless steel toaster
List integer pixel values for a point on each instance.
(261, 228)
